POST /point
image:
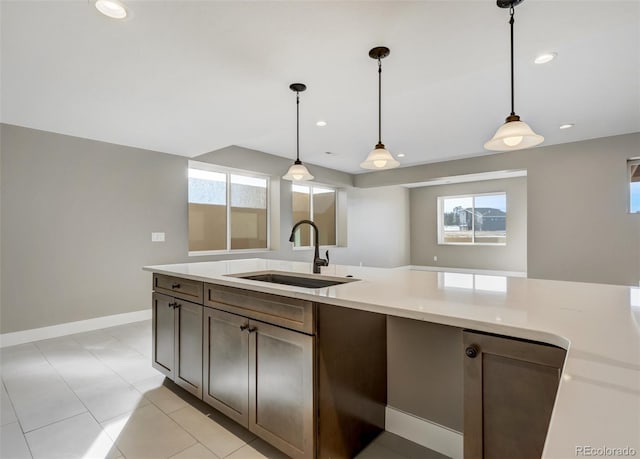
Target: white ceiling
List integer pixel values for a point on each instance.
(189, 77)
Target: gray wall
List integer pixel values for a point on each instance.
(424, 228)
(379, 226)
(578, 228)
(77, 217)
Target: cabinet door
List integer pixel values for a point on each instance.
(281, 388)
(226, 364)
(163, 332)
(509, 390)
(188, 347)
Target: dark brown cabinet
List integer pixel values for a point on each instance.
(188, 347)
(226, 364)
(185, 289)
(177, 341)
(510, 387)
(308, 378)
(281, 388)
(262, 376)
(311, 381)
(163, 331)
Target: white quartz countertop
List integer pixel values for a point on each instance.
(598, 401)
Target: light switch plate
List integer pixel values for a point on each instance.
(157, 237)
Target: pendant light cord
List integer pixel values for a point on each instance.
(297, 127)
(379, 101)
(511, 21)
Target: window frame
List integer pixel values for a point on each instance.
(311, 185)
(228, 171)
(630, 163)
(440, 219)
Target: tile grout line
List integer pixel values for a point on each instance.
(98, 359)
(100, 424)
(15, 413)
(239, 448)
(168, 413)
(131, 385)
(178, 409)
(212, 420)
(87, 410)
(198, 443)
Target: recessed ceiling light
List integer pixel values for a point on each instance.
(111, 8)
(544, 58)
(567, 126)
(400, 155)
(321, 123)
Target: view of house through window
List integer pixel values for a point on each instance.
(476, 219)
(634, 186)
(227, 210)
(318, 204)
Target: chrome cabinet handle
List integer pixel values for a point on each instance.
(175, 286)
(244, 327)
(253, 329)
(172, 305)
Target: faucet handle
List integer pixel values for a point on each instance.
(326, 254)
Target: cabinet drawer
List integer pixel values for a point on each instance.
(279, 310)
(185, 289)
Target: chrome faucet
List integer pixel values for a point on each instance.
(317, 261)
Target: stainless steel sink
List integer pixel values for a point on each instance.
(293, 279)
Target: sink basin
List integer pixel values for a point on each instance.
(294, 279)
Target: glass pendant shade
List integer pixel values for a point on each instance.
(379, 159)
(297, 173)
(513, 135)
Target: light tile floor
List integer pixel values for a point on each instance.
(95, 395)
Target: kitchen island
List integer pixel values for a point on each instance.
(598, 400)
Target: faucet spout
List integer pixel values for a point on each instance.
(317, 261)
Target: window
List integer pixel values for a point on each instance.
(634, 185)
(476, 219)
(315, 203)
(227, 209)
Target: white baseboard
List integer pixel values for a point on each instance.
(425, 433)
(488, 272)
(37, 334)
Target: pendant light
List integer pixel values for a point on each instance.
(513, 134)
(297, 172)
(379, 158)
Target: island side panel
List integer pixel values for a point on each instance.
(426, 371)
(352, 379)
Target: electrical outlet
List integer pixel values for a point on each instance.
(157, 237)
